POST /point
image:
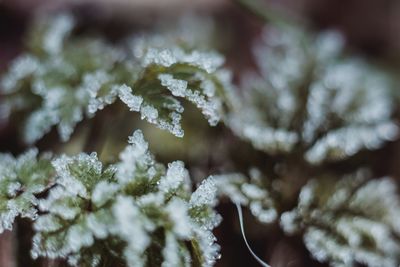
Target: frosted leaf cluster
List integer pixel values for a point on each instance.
(248, 192)
(310, 97)
(195, 76)
(62, 78)
(142, 212)
(21, 179)
(53, 81)
(348, 221)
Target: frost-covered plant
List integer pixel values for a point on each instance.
(133, 213)
(311, 99)
(136, 209)
(64, 76)
(21, 179)
(248, 192)
(348, 221)
(308, 103)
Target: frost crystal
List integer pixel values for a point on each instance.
(205, 194)
(131, 224)
(177, 87)
(175, 177)
(353, 220)
(92, 84)
(20, 180)
(251, 193)
(210, 62)
(171, 252)
(132, 101)
(20, 68)
(178, 212)
(137, 209)
(133, 157)
(53, 40)
(310, 97)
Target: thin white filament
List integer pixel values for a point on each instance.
(239, 209)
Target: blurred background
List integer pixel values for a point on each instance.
(372, 28)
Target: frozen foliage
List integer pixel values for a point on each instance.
(248, 193)
(195, 76)
(308, 100)
(136, 212)
(205, 194)
(348, 221)
(20, 180)
(62, 77)
(53, 82)
(311, 98)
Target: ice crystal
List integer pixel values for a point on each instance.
(178, 210)
(176, 176)
(63, 77)
(131, 208)
(183, 75)
(177, 87)
(132, 101)
(209, 62)
(353, 220)
(62, 26)
(205, 193)
(250, 193)
(21, 179)
(312, 98)
(171, 252)
(132, 226)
